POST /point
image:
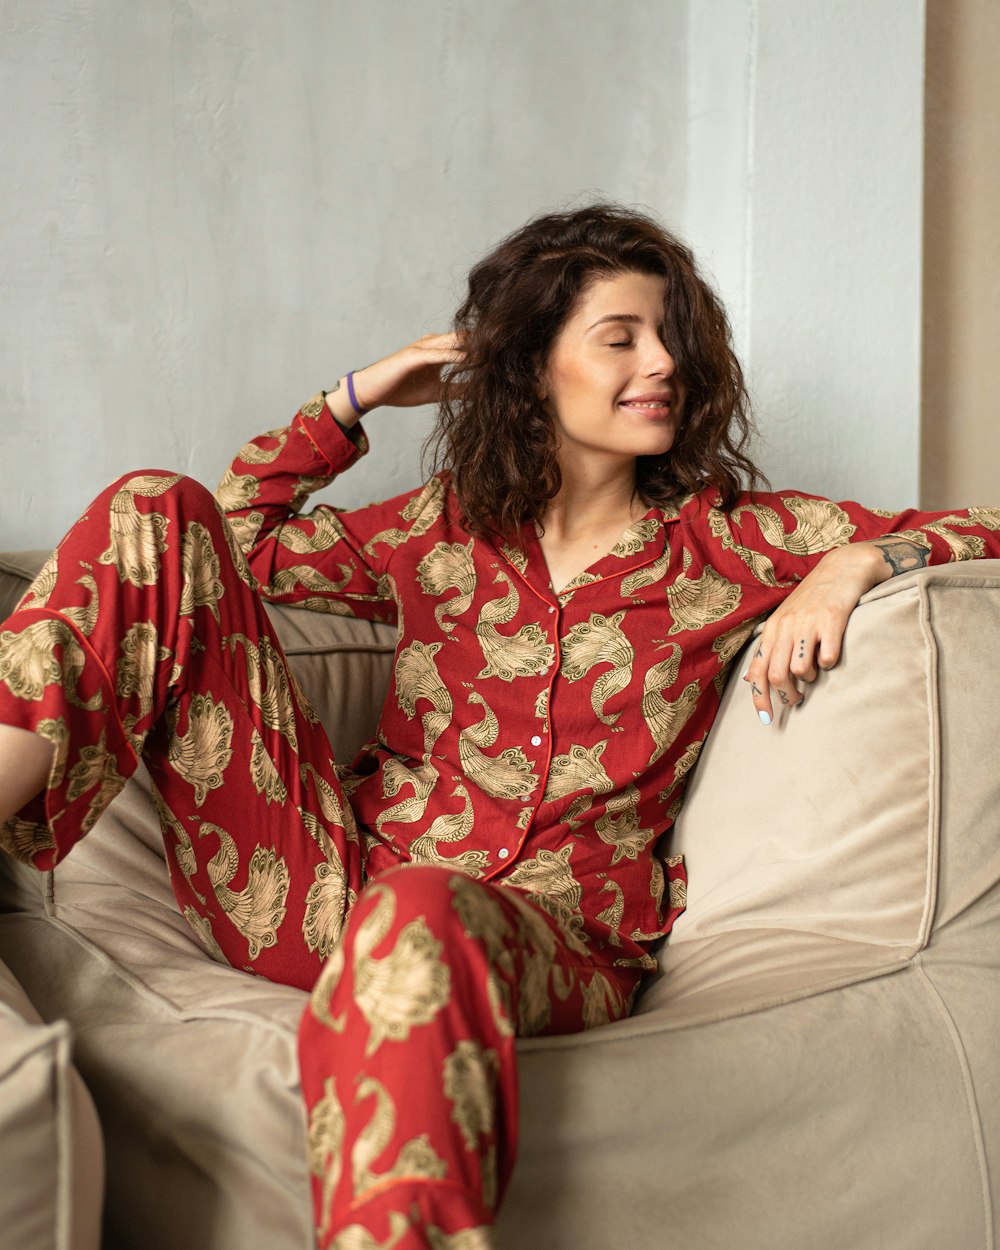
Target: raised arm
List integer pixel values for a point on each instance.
(835, 553)
(327, 558)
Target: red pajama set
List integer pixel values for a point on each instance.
(494, 864)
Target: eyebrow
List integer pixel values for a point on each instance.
(632, 318)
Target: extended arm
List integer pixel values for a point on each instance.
(837, 552)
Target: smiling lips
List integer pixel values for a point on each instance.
(656, 404)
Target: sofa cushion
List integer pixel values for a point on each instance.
(51, 1152)
(814, 846)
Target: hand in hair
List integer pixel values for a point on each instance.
(405, 379)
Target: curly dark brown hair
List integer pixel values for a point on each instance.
(494, 435)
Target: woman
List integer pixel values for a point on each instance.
(570, 591)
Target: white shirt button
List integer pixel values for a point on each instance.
(551, 609)
(502, 853)
(536, 741)
(525, 798)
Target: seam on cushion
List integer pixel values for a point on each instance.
(972, 1103)
(62, 1098)
(338, 648)
(934, 770)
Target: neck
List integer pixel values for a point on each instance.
(592, 496)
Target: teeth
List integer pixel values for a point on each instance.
(644, 404)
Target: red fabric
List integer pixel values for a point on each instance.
(556, 728)
(602, 695)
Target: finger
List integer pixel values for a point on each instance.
(831, 643)
(803, 660)
(756, 676)
(779, 675)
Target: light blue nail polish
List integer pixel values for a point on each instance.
(765, 719)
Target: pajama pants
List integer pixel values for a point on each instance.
(144, 635)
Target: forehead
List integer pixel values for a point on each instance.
(621, 294)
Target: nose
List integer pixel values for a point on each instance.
(657, 361)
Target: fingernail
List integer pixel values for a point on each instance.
(765, 718)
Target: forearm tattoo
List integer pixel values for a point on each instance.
(902, 556)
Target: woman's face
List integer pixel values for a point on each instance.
(609, 382)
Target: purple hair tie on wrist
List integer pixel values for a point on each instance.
(353, 398)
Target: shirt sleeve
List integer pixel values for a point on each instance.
(327, 559)
(781, 536)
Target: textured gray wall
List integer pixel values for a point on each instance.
(214, 208)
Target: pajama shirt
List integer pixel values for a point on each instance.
(495, 863)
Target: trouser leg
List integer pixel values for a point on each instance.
(407, 1052)
(144, 635)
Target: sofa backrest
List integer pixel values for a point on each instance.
(862, 827)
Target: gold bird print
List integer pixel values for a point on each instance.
(599, 640)
(97, 771)
(619, 826)
(728, 645)
(269, 683)
(450, 827)
(200, 566)
(394, 775)
(503, 776)
(267, 781)
(236, 491)
(417, 678)
(253, 453)
(759, 565)
(424, 509)
(638, 534)
(524, 654)
(614, 913)
(416, 1157)
(963, 546)
(579, 769)
(819, 525)
(601, 1004)
(137, 538)
(405, 988)
(470, 1080)
(549, 875)
(29, 663)
(449, 566)
(324, 531)
(664, 719)
(136, 672)
(648, 575)
(258, 909)
(329, 899)
(326, 1146)
(697, 602)
(202, 754)
(480, 1238)
(297, 577)
(202, 928)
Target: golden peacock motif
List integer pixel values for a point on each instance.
(579, 769)
(599, 640)
(137, 538)
(449, 566)
(697, 602)
(524, 654)
(416, 1157)
(450, 827)
(394, 775)
(470, 1081)
(200, 566)
(270, 686)
(503, 776)
(819, 525)
(619, 826)
(258, 909)
(417, 678)
(665, 719)
(405, 988)
(326, 1147)
(202, 754)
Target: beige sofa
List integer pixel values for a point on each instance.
(816, 1067)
